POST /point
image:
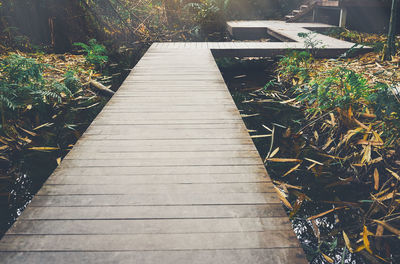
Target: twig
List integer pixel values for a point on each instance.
(312, 122)
(272, 143)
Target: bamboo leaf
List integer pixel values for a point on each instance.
(376, 179)
(366, 242)
(377, 137)
(388, 227)
(261, 136)
(394, 174)
(43, 125)
(291, 170)
(28, 132)
(283, 160)
(282, 197)
(325, 213)
(314, 161)
(359, 248)
(327, 258)
(43, 148)
(367, 154)
(347, 242)
(274, 152)
(4, 147)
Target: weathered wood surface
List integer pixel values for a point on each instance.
(167, 173)
(288, 34)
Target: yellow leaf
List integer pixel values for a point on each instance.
(330, 260)
(389, 227)
(394, 174)
(367, 154)
(376, 179)
(274, 152)
(282, 197)
(4, 147)
(314, 161)
(43, 125)
(43, 148)
(347, 242)
(325, 213)
(366, 233)
(291, 170)
(352, 133)
(28, 132)
(261, 136)
(328, 142)
(59, 161)
(377, 137)
(283, 160)
(359, 248)
(26, 139)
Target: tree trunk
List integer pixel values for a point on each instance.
(391, 42)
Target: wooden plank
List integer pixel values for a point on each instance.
(142, 132)
(160, 155)
(164, 121)
(237, 256)
(168, 162)
(248, 240)
(204, 127)
(111, 146)
(162, 170)
(154, 188)
(155, 226)
(159, 136)
(171, 142)
(153, 212)
(156, 179)
(154, 199)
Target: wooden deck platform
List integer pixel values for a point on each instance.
(288, 34)
(167, 173)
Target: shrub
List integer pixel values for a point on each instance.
(295, 65)
(210, 15)
(339, 87)
(96, 53)
(22, 86)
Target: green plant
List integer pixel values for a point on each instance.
(96, 53)
(209, 14)
(311, 43)
(71, 82)
(385, 101)
(339, 87)
(295, 65)
(22, 86)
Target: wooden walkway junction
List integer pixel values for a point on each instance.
(167, 173)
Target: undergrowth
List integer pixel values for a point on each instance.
(40, 113)
(353, 124)
(95, 53)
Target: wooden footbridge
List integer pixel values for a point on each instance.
(166, 173)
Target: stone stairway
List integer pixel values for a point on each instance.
(302, 13)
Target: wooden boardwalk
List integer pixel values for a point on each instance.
(167, 173)
(287, 33)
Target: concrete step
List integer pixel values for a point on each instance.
(303, 7)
